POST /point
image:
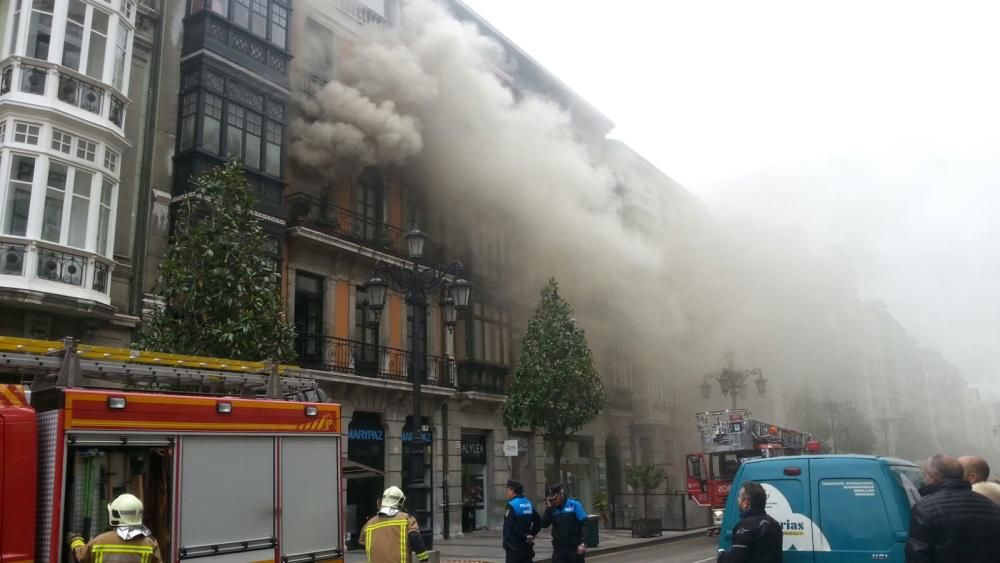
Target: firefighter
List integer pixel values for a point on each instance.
(128, 542)
(391, 534)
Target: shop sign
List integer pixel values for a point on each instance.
(510, 448)
(474, 449)
(408, 436)
(366, 434)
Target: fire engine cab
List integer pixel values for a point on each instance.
(729, 438)
(224, 476)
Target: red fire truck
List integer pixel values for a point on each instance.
(730, 437)
(222, 478)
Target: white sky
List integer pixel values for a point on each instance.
(874, 124)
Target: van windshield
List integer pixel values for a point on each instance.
(911, 479)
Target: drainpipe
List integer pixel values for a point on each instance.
(446, 533)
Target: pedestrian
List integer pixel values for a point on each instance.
(952, 524)
(757, 537)
(566, 516)
(521, 524)
(976, 469)
(392, 534)
(129, 542)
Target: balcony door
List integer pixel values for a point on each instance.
(369, 205)
(309, 319)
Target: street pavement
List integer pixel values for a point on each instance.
(615, 545)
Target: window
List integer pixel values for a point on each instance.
(104, 217)
(117, 111)
(121, 52)
(79, 209)
(212, 128)
(911, 479)
(490, 334)
(318, 54)
(55, 198)
(241, 13)
(279, 24)
(110, 160)
(76, 19)
(12, 46)
(86, 150)
(236, 121)
(3, 131)
(26, 133)
(272, 157)
(128, 6)
(217, 6)
(98, 44)
(6, 78)
(22, 172)
(254, 130)
(40, 29)
(365, 330)
(258, 18)
(243, 134)
(62, 141)
(189, 109)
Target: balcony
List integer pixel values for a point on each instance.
(618, 399)
(96, 101)
(341, 355)
(319, 215)
(650, 410)
(361, 13)
(37, 266)
(482, 377)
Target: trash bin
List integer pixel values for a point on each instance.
(591, 534)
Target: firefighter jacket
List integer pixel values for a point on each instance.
(389, 539)
(109, 547)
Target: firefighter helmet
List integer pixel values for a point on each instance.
(126, 510)
(393, 497)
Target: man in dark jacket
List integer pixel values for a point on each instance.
(566, 516)
(951, 523)
(757, 537)
(521, 524)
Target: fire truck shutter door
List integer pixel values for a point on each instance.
(310, 496)
(120, 440)
(227, 491)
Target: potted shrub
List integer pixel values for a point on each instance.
(601, 506)
(645, 478)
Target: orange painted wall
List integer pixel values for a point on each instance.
(342, 194)
(394, 201)
(342, 323)
(396, 318)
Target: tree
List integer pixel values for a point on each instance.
(836, 424)
(219, 289)
(556, 388)
(644, 478)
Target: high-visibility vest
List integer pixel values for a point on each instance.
(386, 539)
(110, 548)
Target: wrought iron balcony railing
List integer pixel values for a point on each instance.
(319, 215)
(484, 377)
(328, 353)
(618, 398)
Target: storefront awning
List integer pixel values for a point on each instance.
(355, 470)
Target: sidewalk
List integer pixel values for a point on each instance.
(484, 547)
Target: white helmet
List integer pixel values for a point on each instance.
(126, 510)
(393, 498)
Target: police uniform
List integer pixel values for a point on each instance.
(520, 521)
(110, 547)
(567, 527)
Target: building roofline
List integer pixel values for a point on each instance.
(603, 121)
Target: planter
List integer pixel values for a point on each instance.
(646, 528)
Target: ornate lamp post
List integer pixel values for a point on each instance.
(416, 283)
(733, 382)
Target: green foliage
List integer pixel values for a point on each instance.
(220, 292)
(644, 478)
(556, 388)
(836, 424)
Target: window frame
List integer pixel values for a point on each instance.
(260, 16)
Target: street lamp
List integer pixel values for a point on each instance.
(416, 283)
(733, 382)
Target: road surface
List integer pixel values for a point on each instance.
(696, 550)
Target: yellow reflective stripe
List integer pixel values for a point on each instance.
(77, 543)
(368, 544)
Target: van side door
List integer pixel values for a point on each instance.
(786, 482)
(852, 500)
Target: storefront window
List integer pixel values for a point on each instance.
(474, 485)
(417, 477)
(366, 446)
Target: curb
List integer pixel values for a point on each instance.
(596, 552)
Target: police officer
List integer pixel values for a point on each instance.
(391, 534)
(566, 516)
(128, 542)
(521, 524)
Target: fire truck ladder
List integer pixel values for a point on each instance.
(71, 364)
